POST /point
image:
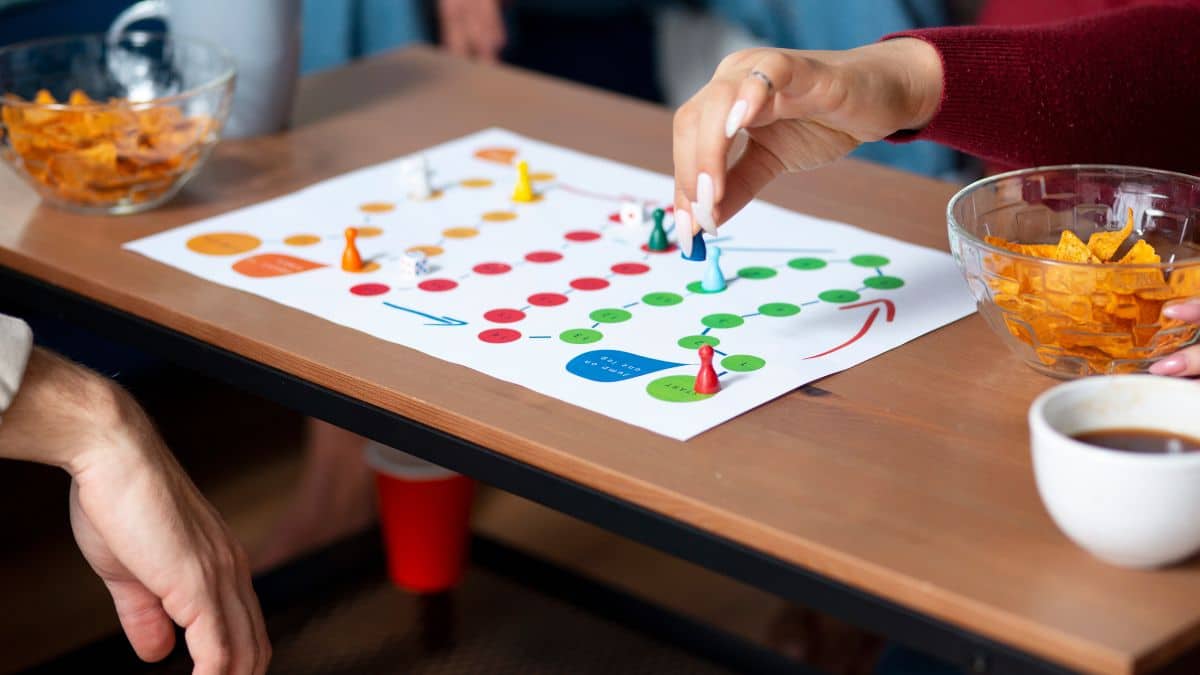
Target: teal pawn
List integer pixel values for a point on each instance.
(658, 236)
(714, 278)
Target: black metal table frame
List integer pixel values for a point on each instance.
(972, 652)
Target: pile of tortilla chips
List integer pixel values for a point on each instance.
(1108, 314)
(101, 154)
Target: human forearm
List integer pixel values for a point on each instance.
(1120, 87)
(63, 414)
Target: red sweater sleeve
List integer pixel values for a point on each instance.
(1118, 87)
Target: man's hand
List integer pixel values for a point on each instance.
(472, 28)
(160, 548)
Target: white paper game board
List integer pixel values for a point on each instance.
(557, 296)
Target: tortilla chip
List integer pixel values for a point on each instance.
(1104, 245)
(1039, 250)
(1102, 317)
(103, 154)
(1072, 249)
(1141, 254)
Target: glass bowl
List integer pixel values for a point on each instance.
(1070, 319)
(105, 127)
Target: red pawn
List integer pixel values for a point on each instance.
(706, 379)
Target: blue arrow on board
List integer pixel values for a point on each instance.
(439, 320)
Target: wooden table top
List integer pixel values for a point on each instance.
(910, 480)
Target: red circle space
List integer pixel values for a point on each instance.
(615, 217)
(543, 256)
(498, 336)
(437, 285)
(504, 315)
(670, 248)
(630, 268)
(588, 284)
(582, 235)
(369, 289)
(547, 299)
(492, 268)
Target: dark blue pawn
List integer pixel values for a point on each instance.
(699, 252)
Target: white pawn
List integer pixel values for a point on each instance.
(632, 214)
(414, 172)
(413, 264)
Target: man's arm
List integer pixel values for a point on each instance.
(158, 545)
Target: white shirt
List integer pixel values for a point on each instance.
(16, 341)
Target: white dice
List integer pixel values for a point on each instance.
(414, 174)
(413, 264)
(632, 214)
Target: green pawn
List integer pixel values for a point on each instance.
(658, 236)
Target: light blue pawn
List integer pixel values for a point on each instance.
(714, 278)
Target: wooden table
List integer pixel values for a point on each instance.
(898, 495)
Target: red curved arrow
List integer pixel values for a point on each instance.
(891, 315)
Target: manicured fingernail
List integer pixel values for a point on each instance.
(702, 211)
(1184, 311)
(734, 121)
(1173, 365)
(683, 232)
(705, 224)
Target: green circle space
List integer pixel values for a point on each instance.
(806, 263)
(869, 260)
(696, 341)
(756, 273)
(839, 296)
(662, 299)
(742, 363)
(722, 321)
(779, 309)
(676, 389)
(580, 336)
(883, 283)
(698, 287)
(610, 315)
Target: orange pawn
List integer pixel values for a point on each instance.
(351, 260)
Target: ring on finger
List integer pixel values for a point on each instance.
(765, 79)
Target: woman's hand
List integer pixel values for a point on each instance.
(800, 109)
(1186, 361)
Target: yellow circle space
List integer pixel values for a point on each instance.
(302, 240)
(367, 267)
(368, 231)
(499, 216)
(377, 207)
(541, 176)
(223, 243)
(460, 232)
(476, 182)
(428, 249)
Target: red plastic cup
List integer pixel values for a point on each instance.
(425, 514)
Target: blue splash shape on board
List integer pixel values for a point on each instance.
(612, 365)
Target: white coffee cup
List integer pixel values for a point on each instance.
(1130, 509)
(262, 36)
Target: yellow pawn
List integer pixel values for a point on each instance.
(523, 192)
